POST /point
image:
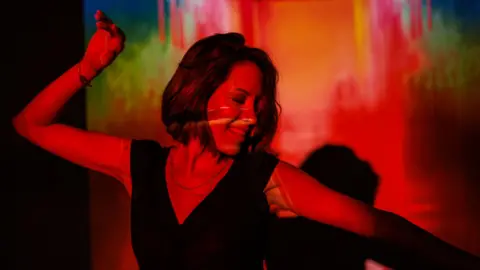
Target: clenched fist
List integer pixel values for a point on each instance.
(104, 46)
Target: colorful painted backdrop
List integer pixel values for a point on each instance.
(395, 80)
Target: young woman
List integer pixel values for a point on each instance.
(204, 203)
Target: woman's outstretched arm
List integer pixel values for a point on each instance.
(395, 241)
(100, 152)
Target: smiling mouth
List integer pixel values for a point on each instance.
(238, 131)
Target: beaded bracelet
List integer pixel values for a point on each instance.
(83, 79)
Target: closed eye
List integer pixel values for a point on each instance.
(240, 101)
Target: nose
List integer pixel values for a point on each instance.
(249, 116)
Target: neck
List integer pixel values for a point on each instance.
(194, 158)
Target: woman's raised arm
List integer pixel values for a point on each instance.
(99, 152)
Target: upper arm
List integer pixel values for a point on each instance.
(99, 152)
(306, 197)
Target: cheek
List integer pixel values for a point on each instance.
(222, 116)
(218, 134)
(220, 113)
(218, 120)
(224, 143)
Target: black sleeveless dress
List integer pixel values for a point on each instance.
(227, 230)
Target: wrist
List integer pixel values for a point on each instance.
(86, 71)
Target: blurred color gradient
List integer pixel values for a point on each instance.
(395, 80)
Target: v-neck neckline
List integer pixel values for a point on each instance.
(205, 200)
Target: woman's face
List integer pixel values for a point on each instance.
(231, 108)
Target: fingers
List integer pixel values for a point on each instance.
(282, 213)
(119, 33)
(105, 27)
(286, 214)
(115, 39)
(102, 17)
(105, 23)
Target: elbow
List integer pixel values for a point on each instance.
(18, 125)
(22, 126)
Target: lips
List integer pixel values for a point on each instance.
(238, 131)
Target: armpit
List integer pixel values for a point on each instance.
(277, 199)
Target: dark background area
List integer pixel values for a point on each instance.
(51, 203)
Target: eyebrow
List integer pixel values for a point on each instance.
(243, 90)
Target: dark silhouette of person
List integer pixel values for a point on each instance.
(305, 244)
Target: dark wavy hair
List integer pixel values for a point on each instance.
(204, 67)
